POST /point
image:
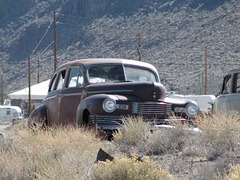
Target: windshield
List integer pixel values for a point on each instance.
(115, 73)
(139, 74)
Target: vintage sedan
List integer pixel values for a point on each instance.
(101, 92)
(228, 99)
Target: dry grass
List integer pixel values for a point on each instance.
(5, 123)
(59, 153)
(134, 132)
(234, 172)
(220, 134)
(218, 142)
(70, 153)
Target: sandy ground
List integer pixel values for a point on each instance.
(4, 128)
(7, 129)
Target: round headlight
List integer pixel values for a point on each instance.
(192, 109)
(109, 105)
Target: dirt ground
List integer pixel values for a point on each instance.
(4, 128)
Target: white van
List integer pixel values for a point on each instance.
(10, 113)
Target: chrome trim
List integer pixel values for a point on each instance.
(104, 105)
(91, 92)
(107, 120)
(122, 106)
(194, 107)
(157, 108)
(103, 120)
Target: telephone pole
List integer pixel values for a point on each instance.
(205, 71)
(139, 47)
(2, 87)
(29, 85)
(55, 42)
(38, 71)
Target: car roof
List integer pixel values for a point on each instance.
(233, 71)
(89, 62)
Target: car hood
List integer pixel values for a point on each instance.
(178, 102)
(147, 91)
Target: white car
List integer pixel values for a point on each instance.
(229, 98)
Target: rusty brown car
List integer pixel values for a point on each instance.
(104, 91)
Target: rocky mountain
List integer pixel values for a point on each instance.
(175, 35)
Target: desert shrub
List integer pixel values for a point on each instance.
(208, 171)
(166, 140)
(135, 131)
(177, 137)
(137, 134)
(220, 134)
(129, 169)
(59, 153)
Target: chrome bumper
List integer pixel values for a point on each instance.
(115, 122)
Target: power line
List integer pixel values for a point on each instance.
(44, 50)
(69, 30)
(41, 39)
(70, 21)
(78, 17)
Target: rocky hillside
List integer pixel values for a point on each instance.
(174, 36)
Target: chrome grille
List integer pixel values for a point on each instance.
(110, 120)
(154, 108)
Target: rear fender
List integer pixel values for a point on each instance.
(38, 116)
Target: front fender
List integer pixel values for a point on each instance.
(38, 115)
(91, 105)
(177, 101)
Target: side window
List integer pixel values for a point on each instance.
(80, 78)
(75, 78)
(60, 80)
(226, 84)
(53, 84)
(8, 112)
(72, 77)
(236, 86)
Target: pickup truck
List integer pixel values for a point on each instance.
(228, 99)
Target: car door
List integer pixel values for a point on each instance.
(52, 100)
(233, 98)
(71, 96)
(221, 103)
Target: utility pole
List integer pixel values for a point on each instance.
(55, 42)
(29, 85)
(139, 46)
(205, 71)
(2, 87)
(38, 71)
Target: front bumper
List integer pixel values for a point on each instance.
(115, 122)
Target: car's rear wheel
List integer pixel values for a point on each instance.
(41, 125)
